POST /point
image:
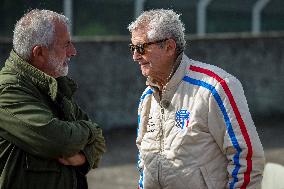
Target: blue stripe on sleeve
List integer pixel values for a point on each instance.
(227, 121)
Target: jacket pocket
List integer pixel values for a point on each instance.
(213, 183)
(37, 164)
(45, 174)
(193, 179)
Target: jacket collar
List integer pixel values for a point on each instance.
(179, 73)
(170, 88)
(175, 79)
(39, 78)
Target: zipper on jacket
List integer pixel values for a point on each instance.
(162, 130)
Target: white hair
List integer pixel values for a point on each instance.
(161, 24)
(35, 28)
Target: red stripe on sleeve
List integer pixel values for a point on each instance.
(238, 116)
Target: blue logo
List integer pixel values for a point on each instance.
(182, 118)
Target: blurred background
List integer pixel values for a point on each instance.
(246, 38)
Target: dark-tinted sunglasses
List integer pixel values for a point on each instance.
(140, 48)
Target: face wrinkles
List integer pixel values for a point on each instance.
(61, 51)
(153, 63)
(59, 66)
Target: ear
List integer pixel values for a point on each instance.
(39, 56)
(38, 52)
(171, 47)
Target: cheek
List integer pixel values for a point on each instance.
(61, 59)
(61, 54)
(155, 64)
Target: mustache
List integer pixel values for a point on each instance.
(67, 60)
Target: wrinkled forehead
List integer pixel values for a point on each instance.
(139, 35)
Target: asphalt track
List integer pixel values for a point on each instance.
(118, 166)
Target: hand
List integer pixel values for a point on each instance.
(75, 160)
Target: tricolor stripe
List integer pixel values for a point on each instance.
(227, 121)
(148, 92)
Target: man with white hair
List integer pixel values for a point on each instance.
(46, 140)
(195, 130)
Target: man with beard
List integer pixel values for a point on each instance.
(46, 140)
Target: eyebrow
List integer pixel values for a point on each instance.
(68, 42)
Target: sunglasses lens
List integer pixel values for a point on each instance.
(131, 48)
(140, 49)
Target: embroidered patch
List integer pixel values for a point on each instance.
(150, 125)
(182, 118)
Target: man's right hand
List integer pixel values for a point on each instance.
(75, 160)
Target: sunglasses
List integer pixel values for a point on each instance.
(140, 48)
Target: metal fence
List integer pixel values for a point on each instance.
(252, 10)
(109, 17)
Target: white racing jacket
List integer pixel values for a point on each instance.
(200, 134)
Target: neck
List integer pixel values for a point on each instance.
(171, 71)
(163, 79)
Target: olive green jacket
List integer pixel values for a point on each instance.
(40, 122)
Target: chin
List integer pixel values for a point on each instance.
(63, 72)
(146, 74)
(145, 71)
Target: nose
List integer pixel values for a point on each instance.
(136, 56)
(72, 50)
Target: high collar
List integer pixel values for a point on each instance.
(151, 82)
(168, 91)
(39, 78)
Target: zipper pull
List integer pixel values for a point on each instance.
(165, 103)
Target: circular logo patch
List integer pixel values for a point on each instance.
(182, 118)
